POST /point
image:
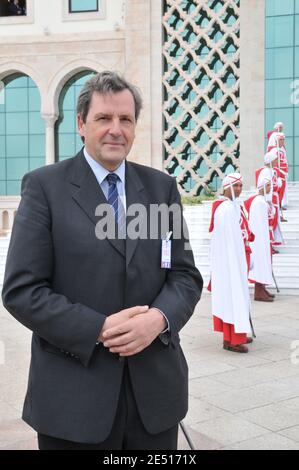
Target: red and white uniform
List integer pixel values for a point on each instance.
(229, 274)
(274, 210)
(258, 211)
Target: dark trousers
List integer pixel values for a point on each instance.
(128, 432)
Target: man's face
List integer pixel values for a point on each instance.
(237, 189)
(109, 130)
(280, 141)
(268, 187)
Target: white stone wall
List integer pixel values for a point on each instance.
(127, 39)
(51, 17)
(252, 89)
(52, 59)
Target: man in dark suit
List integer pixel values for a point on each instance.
(107, 370)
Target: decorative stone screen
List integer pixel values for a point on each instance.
(201, 91)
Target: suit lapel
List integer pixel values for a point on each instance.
(88, 194)
(135, 194)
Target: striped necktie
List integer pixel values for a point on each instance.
(115, 201)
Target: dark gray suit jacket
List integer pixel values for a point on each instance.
(61, 281)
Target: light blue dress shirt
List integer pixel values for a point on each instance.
(101, 172)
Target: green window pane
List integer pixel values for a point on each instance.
(296, 30)
(3, 188)
(279, 31)
(68, 123)
(16, 168)
(290, 149)
(35, 163)
(82, 80)
(83, 5)
(16, 124)
(17, 147)
(36, 145)
(17, 82)
(2, 169)
(67, 145)
(296, 127)
(69, 102)
(16, 100)
(283, 115)
(36, 123)
(296, 173)
(279, 7)
(13, 188)
(2, 147)
(278, 93)
(296, 71)
(297, 6)
(34, 99)
(23, 132)
(279, 62)
(2, 124)
(68, 142)
(30, 83)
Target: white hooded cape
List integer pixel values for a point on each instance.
(230, 292)
(261, 270)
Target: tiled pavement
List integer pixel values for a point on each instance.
(237, 401)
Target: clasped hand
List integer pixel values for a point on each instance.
(130, 331)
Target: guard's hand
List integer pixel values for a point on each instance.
(120, 317)
(135, 334)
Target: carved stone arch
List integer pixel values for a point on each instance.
(62, 76)
(11, 68)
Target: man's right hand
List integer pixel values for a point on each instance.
(121, 317)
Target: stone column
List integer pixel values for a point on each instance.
(50, 120)
(252, 85)
(138, 71)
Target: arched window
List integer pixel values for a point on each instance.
(22, 132)
(68, 141)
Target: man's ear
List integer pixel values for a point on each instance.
(81, 125)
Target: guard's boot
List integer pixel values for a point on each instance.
(269, 293)
(240, 348)
(260, 294)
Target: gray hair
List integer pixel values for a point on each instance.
(106, 82)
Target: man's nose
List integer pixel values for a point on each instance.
(115, 127)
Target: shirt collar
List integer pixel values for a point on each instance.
(101, 172)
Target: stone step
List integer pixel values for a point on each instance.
(288, 249)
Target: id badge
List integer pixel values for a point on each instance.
(166, 252)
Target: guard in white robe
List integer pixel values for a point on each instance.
(229, 284)
(260, 272)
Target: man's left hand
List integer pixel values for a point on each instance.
(134, 335)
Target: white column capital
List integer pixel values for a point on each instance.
(49, 119)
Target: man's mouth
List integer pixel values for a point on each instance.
(114, 144)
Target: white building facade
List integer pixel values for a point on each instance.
(198, 63)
